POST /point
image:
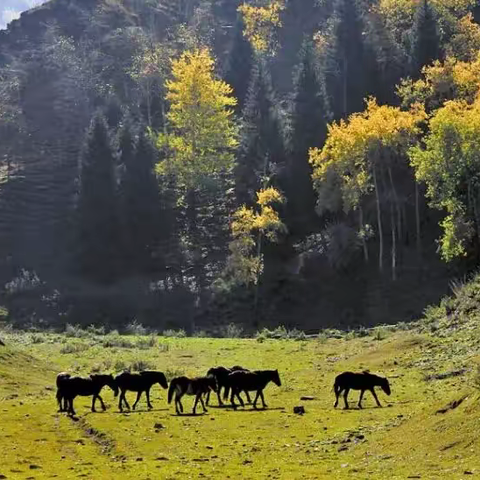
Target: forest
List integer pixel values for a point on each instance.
(199, 163)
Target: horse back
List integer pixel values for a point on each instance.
(356, 381)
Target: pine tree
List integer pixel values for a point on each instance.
(348, 61)
(239, 66)
(98, 239)
(261, 149)
(140, 202)
(308, 130)
(425, 37)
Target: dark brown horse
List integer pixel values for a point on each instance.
(250, 382)
(221, 376)
(138, 382)
(359, 381)
(181, 386)
(71, 387)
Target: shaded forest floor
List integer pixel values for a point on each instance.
(420, 433)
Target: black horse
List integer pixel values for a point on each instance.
(71, 387)
(251, 381)
(61, 399)
(359, 381)
(190, 386)
(138, 382)
(221, 376)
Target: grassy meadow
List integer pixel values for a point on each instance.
(420, 433)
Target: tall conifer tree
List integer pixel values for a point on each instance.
(348, 60)
(140, 202)
(239, 66)
(308, 130)
(98, 239)
(262, 145)
(425, 37)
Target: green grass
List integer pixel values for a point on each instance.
(406, 438)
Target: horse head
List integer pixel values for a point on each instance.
(276, 378)
(386, 386)
(212, 383)
(111, 382)
(162, 380)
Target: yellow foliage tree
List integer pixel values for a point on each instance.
(202, 133)
(356, 153)
(248, 227)
(261, 20)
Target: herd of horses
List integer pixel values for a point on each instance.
(233, 381)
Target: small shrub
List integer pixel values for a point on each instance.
(136, 328)
(74, 348)
(75, 331)
(260, 337)
(111, 341)
(322, 337)
(93, 330)
(120, 366)
(231, 331)
(146, 343)
(380, 334)
(140, 364)
(163, 347)
(175, 333)
(296, 334)
(37, 338)
(200, 334)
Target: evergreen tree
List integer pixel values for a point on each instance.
(308, 130)
(348, 61)
(425, 37)
(98, 238)
(140, 202)
(239, 66)
(261, 149)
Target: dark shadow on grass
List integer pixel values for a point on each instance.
(153, 410)
(189, 414)
(268, 409)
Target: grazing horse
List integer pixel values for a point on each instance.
(71, 387)
(61, 377)
(251, 381)
(190, 386)
(138, 382)
(221, 376)
(359, 381)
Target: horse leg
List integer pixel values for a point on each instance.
(255, 400)
(208, 397)
(197, 396)
(94, 399)
(203, 405)
(120, 400)
(139, 394)
(70, 406)
(240, 399)
(232, 400)
(338, 391)
(149, 405)
(375, 397)
(345, 395)
(263, 399)
(249, 400)
(360, 400)
(220, 403)
(101, 401)
(125, 400)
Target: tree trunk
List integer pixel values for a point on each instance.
(364, 242)
(394, 244)
(379, 219)
(397, 204)
(417, 220)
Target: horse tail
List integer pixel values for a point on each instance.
(171, 389)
